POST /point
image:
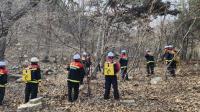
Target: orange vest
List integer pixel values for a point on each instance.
(76, 65)
(3, 72)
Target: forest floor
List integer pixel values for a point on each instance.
(179, 94)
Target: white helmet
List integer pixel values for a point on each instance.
(34, 59)
(76, 56)
(110, 54)
(166, 46)
(170, 46)
(147, 50)
(2, 63)
(123, 51)
(84, 53)
(25, 62)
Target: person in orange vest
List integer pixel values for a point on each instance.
(110, 70)
(31, 89)
(169, 59)
(150, 63)
(3, 80)
(124, 64)
(75, 74)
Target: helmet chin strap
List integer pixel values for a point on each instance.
(110, 59)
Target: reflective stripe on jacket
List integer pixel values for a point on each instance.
(150, 62)
(35, 73)
(75, 81)
(3, 85)
(34, 81)
(123, 66)
(169, 60)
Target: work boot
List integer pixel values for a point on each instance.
(127, 78)
(148, 75)
(152, 72)
(173, 75)
(106, 98)
(116, 98)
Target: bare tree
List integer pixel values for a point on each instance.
(10, 20)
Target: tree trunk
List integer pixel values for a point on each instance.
(2, 47)
(12, 19)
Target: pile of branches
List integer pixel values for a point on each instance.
(128, 12)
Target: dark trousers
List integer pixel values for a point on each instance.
(81, 81)
(87, 71)
(124, 73)
(31, 91)
(73, 91)
(171, 68)
(111, 80)
(2, 94)
(99, 68)
(150, 68)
